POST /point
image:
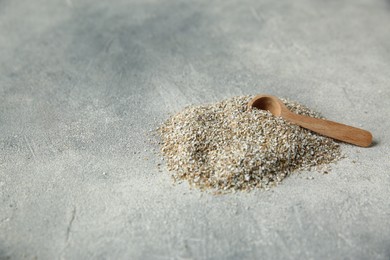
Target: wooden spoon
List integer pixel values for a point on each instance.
(331, 129)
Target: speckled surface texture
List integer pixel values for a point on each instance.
(82, 82)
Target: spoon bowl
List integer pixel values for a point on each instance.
(269, 103)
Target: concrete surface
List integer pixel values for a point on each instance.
(82, 82)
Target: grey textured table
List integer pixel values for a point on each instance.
(82, 83)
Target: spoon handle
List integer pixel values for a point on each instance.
(331, 129)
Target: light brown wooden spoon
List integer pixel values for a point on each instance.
(331, 129)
